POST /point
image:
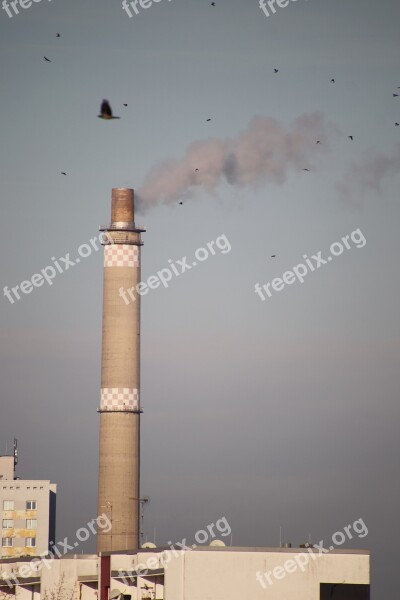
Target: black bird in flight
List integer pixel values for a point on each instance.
(212, 3)
(196, 169)
(106, 112)
(350, 137)
(276, 70)
(125, 105)
(58, 35)
(318, 142)
(306, 169)
(63, 173)
(46, 59)
(180, 202)
(208, 120)
(395, 95)
(332, 81)
(397, 124)
(273, 255)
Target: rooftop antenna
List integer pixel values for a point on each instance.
(143, 501)
(15, 452)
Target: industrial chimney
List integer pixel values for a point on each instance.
(119, 451)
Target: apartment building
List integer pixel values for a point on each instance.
(27, 513)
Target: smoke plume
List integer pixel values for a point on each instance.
(265, 151)
(369, 174)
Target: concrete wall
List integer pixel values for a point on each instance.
(6, 467)
(202, 574)
(230, 574)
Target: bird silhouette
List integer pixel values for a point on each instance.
(318, 142)
(63, 173)
(350, 137)
(395, 95)
(106, 112)
(125, 105)
(196, 169)
(397, 124)
(276, 70)
(306, 169)
(332, 81)
(208, 120)
(273, 255)
(212, 3)
(58, 35)
(46, 59)
(180, 202)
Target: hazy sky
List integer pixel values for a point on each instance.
(281, 412)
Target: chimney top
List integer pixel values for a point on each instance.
(122, 206)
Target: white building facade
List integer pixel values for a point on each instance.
(27, 513)
(201, 573)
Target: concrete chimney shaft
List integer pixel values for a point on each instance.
(119, 449)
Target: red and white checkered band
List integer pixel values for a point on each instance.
(121, 255)
(119, 399)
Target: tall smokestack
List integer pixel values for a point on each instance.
(119, 459)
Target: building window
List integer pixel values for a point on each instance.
(6, 542)
(31, 505)
(31, 523)
(8, 523)
(30, 542)
(8, 504)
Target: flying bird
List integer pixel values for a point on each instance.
(106, 112)
(318, 142)
(197, 169)
(180, 202)
(306, 169)
(63, 173)
(395, 95)
(46, 59)
(397, 124)
(208, 120)
(125, 105)
(58, 35)
(273, 255)
(332, 81)
(350, 137)
(276, 70)
(212, 3)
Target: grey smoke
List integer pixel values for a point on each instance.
(368, 174)
(265, 151)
